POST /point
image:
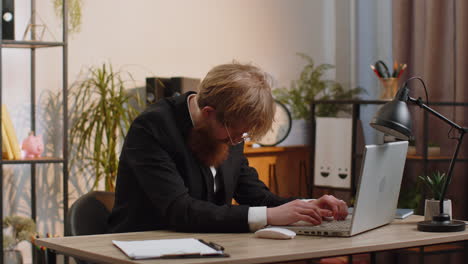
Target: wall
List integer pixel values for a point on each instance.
(189, 37)
(373, 38)
(152, 37)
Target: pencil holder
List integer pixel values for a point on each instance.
(389, 87)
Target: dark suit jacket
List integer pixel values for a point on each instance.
(161, 185)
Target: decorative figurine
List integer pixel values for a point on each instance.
(33, 146)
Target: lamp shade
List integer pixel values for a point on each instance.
(393, 118)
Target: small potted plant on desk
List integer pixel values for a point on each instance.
(435, 184)
(20, 228)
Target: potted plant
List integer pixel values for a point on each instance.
(435, 184)
(20, 229)
(101, 112)
(310, 86)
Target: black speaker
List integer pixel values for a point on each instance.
(182, 85)
(8, 19)
(157, 88)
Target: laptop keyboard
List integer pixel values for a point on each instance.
(335, 225)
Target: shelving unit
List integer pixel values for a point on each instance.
(355, 115)
(32, 46)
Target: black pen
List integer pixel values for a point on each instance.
(216, 246)
(212, 245)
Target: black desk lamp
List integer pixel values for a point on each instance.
(393, 118)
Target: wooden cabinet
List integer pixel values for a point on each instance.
(285, 170)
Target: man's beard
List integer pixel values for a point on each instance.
(204, 145)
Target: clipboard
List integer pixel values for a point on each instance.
(170, 248)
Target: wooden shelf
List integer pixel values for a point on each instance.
(429, 158)
(20, 44)
(434, 158)
(33, 160)
(259, 150)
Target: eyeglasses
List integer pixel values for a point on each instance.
(242, 139)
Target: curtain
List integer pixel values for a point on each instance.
(431, 36)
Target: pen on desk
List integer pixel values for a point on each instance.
(217, 246)
(212, 245)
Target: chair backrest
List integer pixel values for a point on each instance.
(88, 215)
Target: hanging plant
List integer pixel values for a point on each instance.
(74, 13)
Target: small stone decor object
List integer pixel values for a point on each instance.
(33, 146)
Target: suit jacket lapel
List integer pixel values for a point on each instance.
(184, 123)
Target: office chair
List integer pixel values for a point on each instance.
(88, 215)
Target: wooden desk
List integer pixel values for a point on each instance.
(244, 248)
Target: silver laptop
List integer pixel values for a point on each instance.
(376, 197)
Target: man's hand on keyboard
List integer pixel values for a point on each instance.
(338, 207)
(296, 210)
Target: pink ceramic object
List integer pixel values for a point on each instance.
(33, 146)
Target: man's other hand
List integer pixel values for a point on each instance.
(338, 207)
(298, 210)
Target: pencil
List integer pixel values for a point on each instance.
(402, 70)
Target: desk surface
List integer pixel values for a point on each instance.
(245, 248)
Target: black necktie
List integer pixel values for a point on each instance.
(219, 198)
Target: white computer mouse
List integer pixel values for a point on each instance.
(275, 233)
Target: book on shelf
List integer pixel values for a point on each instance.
(10, 134)
(6, 148)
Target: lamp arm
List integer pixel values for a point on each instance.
(450, 170)
(435, 113)
(461, 130)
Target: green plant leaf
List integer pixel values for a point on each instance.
(74, 13)
(434, 183)
(100, 118)
(311, 86)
